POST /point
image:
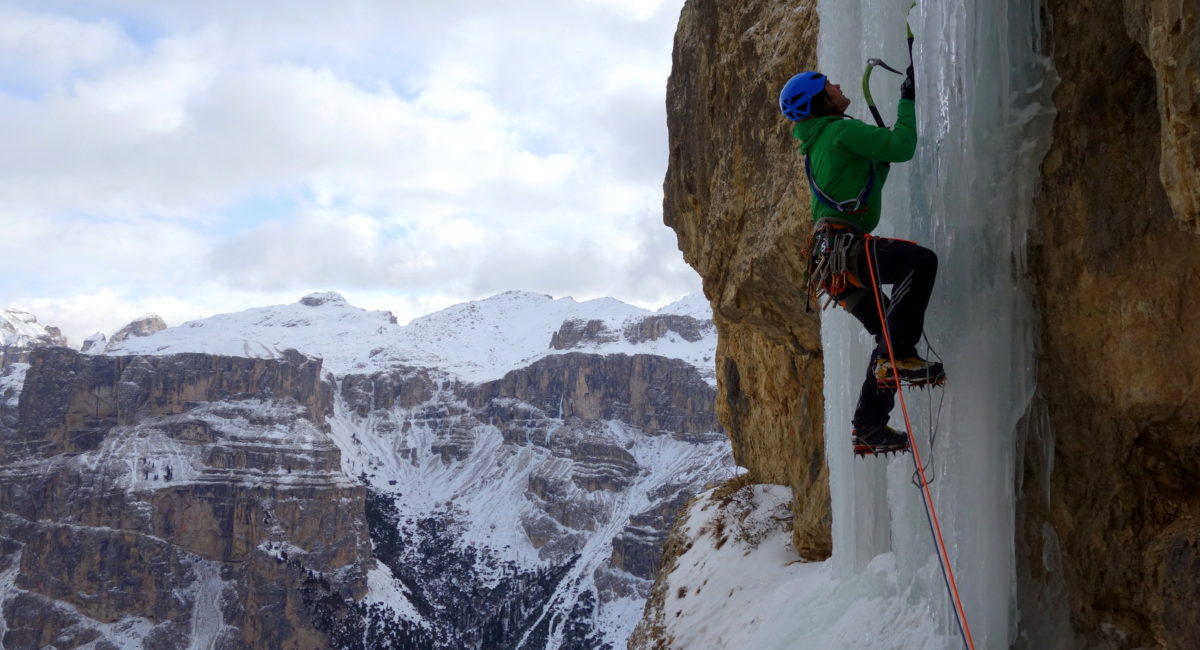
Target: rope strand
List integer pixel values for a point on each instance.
(935, 528)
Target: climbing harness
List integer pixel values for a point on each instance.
(935, 528)
(833, 262)
(856, 205)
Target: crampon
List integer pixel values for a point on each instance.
(877, 440)
(914, 372)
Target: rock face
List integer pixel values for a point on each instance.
(1166, 32)
(144, 326)
(1114, 254)
(653, 328)
(1113, 262)
(174, 500)
(576, 334)
(653, 393)
(741, 214)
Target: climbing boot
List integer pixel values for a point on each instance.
(913, 371)
(878, 439)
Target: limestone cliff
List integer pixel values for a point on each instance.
(741, 212)
(173, 500)
(1108, 504)
(1115, 250)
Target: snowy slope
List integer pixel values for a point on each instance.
(740, 585)
(12, 378)
(21, 329)
(695, 305)
(486, 500)
(475, 341)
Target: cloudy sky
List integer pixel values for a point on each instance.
(194, 157)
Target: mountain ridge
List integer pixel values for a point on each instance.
(474, 341)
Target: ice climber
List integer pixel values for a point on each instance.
(847, 163)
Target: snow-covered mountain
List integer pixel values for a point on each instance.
(516, 461)
(139, 327)
(21, 329)
(94, 344)
(473, 342)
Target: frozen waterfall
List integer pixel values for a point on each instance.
(984, 116)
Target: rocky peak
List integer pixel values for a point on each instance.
(144, 326)
(658, 326)
(94, 344)
(21, 329)
(20, 333)
(323, 298)
(576, 332)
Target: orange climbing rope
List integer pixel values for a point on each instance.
(926, 496)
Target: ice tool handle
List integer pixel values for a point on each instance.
(866, 87)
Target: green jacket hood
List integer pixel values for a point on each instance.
(807, 130)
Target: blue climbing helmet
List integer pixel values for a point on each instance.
(795, 100)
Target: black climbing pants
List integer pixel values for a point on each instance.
(910, 269)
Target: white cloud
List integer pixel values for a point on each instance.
(47, 49)
(445, 150)
(634, 9)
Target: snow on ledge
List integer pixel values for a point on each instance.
(741, 585)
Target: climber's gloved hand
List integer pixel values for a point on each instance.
(908, 88)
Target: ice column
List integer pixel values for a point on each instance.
(984, 116)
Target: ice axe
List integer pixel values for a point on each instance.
(873, 63)
(866, 86)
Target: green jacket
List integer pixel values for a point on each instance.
(841, 151)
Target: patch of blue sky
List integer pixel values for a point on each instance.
(404, 73)
(399, 74)
(255, 209)
(404, 86)
(21, 283)
(142, 30)
(285, 205)
(540, 142)
(19, 87)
